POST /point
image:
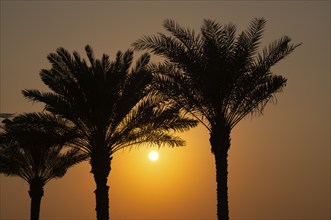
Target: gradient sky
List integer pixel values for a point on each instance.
(279, 163)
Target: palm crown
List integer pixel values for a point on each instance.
(216, 75)
(110, 98)
(33, 147)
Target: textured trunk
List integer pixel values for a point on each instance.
(220, 143)
(100, 163)
(36, 192)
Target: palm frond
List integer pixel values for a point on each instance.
(164, 46)
(54, 103)
(185, 35)
(272, 54)
(58, 165)
(90, 55)
(142, 62)
(153, 138)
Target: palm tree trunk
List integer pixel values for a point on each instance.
(100, 162)
(36, 192)
(220, 143)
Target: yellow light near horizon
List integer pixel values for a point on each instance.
(153, 155)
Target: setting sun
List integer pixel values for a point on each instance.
(153, 155)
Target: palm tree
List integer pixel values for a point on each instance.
(111, 105)
(32, 147)
(218, 78)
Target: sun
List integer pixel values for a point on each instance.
(153, 155)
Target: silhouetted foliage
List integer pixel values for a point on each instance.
(111, 105)
(219, 78)
(35, 147)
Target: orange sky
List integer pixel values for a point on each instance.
(279, 163)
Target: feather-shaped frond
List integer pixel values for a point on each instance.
(153, 138)
(248, 41)
(142, 62)
(54, 103)
(272, 54)
(90, 55)
(152, 123)
(185, 35)
(59, 163)
(171, 48)
(153, 115)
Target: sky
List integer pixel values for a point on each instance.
(279, 163)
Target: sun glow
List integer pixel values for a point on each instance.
(153, 155)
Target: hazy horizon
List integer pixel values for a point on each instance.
(279, 163)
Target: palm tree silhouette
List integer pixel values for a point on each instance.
(218, 78)
(33, 147)
(111, 105)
